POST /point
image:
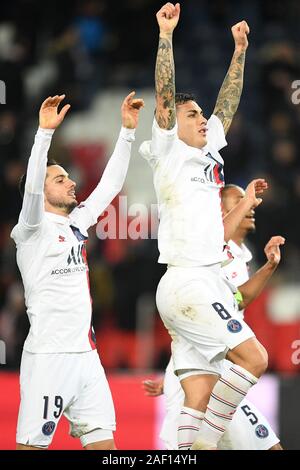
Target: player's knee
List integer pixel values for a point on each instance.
(250, 355)
(260, 366)
(276, 447)
(193, 400)
(27, 447)
(196, 403)
(257, 363)
(197, 390)
(261, 361)
(101, 445)
(98, 439)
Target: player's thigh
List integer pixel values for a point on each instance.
(198, 306)
(44, 394)
(92, 414)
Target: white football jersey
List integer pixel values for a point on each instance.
(51, 253)
(187, 182)
(237, 271)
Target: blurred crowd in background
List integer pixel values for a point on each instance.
(82, 48)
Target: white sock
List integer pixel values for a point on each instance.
(188, 427)
(227, 394)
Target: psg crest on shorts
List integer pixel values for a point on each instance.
(234, 326)
(48, 428)
(261, 431)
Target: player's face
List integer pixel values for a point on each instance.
(231, 199)
(60, 189)
(192, 125)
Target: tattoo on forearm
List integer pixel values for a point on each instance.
(231, 90)
(165, 85)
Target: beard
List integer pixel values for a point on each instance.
(66, 206)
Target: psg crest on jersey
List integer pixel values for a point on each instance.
(234, 326)
(48, 428)
(261, 431)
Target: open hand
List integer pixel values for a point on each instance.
(272, 250)
(256, 187)
(49, 116)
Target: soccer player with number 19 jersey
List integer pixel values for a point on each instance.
(60, 369)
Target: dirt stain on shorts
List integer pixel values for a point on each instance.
(188, 312)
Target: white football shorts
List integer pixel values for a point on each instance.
(69, 384)
(201, 314)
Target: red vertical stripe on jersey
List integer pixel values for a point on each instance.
(217, 175)
(84, 254)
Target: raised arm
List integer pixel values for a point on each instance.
(233, 219)
(231, 90)
(115, 172)
(33, 202)
(251, 289)
(165, 113)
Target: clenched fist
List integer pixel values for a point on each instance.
(240, 32)
(167, 18)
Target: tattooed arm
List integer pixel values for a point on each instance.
(165, 113)
(231, 90)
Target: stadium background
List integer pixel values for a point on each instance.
(96, 52)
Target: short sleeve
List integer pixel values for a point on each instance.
(161, 144)
(216, 135)
(163, 139)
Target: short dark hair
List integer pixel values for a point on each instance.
(22, 180)
(181, 98)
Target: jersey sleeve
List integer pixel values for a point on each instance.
(110, 184)
(161, 144)
(216, 135)
(32, 212)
